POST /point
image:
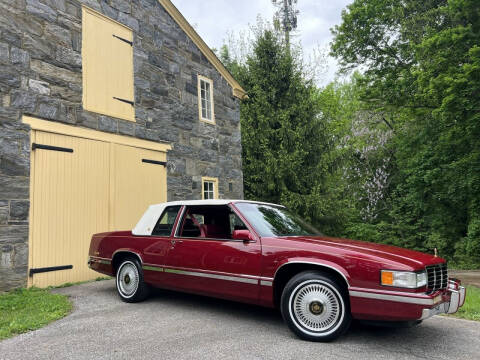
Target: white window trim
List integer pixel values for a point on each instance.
(212, 105)
(215, 186)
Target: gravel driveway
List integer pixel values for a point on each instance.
(177, 326)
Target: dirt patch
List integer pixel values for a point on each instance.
(468, 277)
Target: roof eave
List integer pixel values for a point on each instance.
(237, 90)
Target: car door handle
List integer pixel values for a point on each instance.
(173, 242)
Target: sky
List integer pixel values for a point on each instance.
(213, 19)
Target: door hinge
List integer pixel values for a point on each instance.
(163, 163)
(125, 101)
(124, 40)
(48, 269)
(49, 147)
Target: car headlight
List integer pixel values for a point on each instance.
(404, 279)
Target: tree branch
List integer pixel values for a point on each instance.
(388, 124)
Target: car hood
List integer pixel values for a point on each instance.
(381, 252)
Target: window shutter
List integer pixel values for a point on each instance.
(107, 55)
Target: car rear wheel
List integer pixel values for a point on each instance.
(315, 307)
(129, 280)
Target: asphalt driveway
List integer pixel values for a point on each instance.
(177, 326)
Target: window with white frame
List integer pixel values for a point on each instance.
(209, 188)
(205, 100)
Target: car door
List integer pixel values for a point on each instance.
(207, 260)
(156, 250)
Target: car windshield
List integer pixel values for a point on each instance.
(269, 220)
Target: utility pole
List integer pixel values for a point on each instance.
(286, 17)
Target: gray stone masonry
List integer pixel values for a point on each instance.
(41, 76)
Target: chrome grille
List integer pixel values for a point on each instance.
(437, 277)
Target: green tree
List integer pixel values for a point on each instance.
(360, 184)
(422, 69)
(284, 138)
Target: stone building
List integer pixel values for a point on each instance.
(106, 106)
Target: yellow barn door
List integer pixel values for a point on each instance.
(81, 186)
(139, 180)
(70, 203)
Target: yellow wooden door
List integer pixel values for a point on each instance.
(139, 180)
(107, 60)
(99, 186)
(70, 202)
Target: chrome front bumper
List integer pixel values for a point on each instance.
(457, 299)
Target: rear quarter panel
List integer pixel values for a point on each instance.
(106, 245)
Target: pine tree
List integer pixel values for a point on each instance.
(285, 147)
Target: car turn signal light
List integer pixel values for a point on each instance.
(403, 279)
(387, 278)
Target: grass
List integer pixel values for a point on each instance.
(23, 310)
(471, 309)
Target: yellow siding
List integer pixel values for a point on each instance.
(57, 128)
(136, 184)
(101, 186)
(107, 66)
(70, 203)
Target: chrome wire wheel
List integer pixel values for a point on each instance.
(128, 279)
(317, 307)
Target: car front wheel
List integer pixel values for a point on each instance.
(129, 281)
(315, 307)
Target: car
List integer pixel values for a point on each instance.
(263, 254)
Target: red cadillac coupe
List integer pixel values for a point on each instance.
(263, 254)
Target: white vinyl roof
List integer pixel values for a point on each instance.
(146, 224)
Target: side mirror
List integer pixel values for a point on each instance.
(244, 235)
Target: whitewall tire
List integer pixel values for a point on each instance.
(129, 280)
(315, 307)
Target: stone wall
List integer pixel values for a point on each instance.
(41, 76)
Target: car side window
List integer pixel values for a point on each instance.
(210, 222)
(236, 223)
(191, 226)
(165, 224)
